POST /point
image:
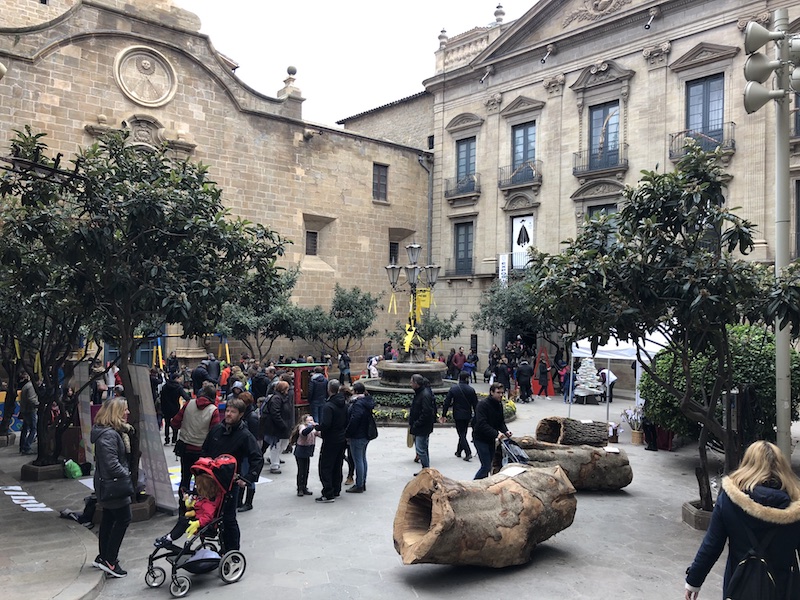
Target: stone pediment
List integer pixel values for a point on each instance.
(551, 19)
(601, 73)
(464, 121)
(522, 105)
(603, 188)
(703, 54)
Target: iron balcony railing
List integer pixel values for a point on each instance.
(600, 159)
(709, 139)
(525, 173)
(462, 186)
(516, 261)
(459, 266)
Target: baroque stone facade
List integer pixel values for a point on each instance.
(77, 68)
(541, 122)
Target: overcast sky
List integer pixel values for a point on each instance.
(351, 56)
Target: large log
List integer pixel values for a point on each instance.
(588, 468)
(571, 432)
(493, 522)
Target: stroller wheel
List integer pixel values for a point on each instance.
(180, 586)
(155, 577)
(232, 566)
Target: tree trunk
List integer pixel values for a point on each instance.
(11, 396)
(571, 432)
(492, 522)
(588, 468)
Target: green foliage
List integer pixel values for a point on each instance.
(753, 357)
(394, 407)
(345, 325)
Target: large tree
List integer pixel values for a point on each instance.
(666, 262)
(151, 243)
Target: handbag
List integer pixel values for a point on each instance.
(372, 427)
(114, 489)
(180, 448)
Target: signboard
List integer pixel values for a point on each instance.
(502, 269)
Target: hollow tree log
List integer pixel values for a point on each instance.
(493, 522)
(588, 468)
(571, 432)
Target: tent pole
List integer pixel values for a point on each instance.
(608, 404)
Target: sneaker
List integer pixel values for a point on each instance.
(468, 457)
(355, 490)
(308, 492)
(300, 493)
(96, 562)
(112, 570)
(275, 471)
(324, 499)
(349, 481)
(163, 542)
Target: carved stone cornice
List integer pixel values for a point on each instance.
(656, 56)
(760, 18)
(601, 73)
(594, 10)
(554, 85)
(493, 102)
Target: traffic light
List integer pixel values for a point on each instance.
(758, 67)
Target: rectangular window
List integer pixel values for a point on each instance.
(463, 248)
(380, 182)
(594, 212)
(311, 243)
(430, 142)
(523, 139)
(604, 135)
(394, 251)
(705, 99)
(465, 166)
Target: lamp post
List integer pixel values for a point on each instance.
(757, 70)
(413, 272)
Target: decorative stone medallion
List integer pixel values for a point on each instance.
(145, 76)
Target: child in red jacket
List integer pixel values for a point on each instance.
(200, 510)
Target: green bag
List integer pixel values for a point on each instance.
(72, 470)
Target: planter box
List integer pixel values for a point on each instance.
(694, 516)
(31, 472)
(140, 511)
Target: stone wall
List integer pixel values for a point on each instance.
(408, 122)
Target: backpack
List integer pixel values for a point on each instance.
(752, 579)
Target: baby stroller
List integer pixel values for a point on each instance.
(204, 551)
(512, 452)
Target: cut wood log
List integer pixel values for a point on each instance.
(493, 522)
(571, 432)
(587, 467)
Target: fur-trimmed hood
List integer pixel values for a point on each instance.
(764, 503)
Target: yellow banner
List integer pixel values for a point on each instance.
(423, 298)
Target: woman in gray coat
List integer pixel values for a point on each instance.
(111, 454)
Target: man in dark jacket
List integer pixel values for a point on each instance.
(421, 417)
(332, 425)
(501, 373)
(490, 427)
(464, 400)
(259, 384)
(359, 416)
(171, 394)
(233, 437)
(524, 376)
(200, 375)
(277, 420)
(214, 368)
(317, 393)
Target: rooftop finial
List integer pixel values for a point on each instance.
(443, 39)
(499, 14)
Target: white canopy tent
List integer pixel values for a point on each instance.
(620, 350)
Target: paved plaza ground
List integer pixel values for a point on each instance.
(629, 544)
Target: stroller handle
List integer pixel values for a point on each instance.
(240, 478)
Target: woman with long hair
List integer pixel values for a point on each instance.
(762, 495)
(110, 436)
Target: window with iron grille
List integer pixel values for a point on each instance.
(705, 100)
(604, 135)
(380, 182)
(463, 248)
(465, 166)
(394, 249)
(311, 243)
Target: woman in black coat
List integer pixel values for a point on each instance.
(421, 417)
(761, 495)
(111, 454)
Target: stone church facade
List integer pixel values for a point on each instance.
(77, 68)
(540, 123)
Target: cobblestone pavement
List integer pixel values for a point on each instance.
(627, 544)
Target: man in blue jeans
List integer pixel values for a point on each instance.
(490, 427)
(421, 417)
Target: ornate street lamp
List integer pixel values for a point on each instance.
(412, 272)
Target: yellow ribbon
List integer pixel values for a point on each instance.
(392, 304)
(37, 364)
(16, 347)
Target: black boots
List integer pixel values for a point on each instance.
(247, 504)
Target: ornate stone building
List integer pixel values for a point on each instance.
(540, 123)
(76, 68)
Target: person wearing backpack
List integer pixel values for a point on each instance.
(757, 512)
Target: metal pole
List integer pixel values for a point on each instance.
(782, 243)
